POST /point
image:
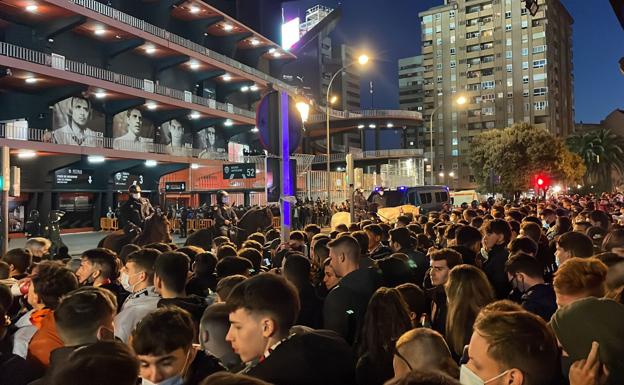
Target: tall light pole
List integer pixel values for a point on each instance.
(362, 60)
(460, 101)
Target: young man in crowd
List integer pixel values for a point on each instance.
(423, 349)
(376, 249)
(170, 274)
(580, 278)
(526, 275)
(345, 305)
(496, 236)
(163, 342)
(442, 261)
(214, 326)
(573, 244)
(100, 268)
(260, 334)
(467, 243)
(19, 261)
(137, 277)
(512, 348)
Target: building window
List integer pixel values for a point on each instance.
(487, 111)
(540, 91)
(508, 27)
(439, 41)
(508, 54)
(452, 63)
(523, 11)
(428, 31)
(454, 152)
(509, 67)
(509, 42)
(525, 65)
(490, 124)
(525, 39)
(487, 85)
(509, 122)
(438, 16)
(538, 77)
(509, 95)
(427, 19)
(438, 28)
(541, 63)
(525, 79)
(439, 79)
(438, 53)
(453, 89)
(525, 93)
(539, 49)
(439, 66)
(488, 98)
(452, 13)
(452, 50)
(525, 23)
(525, 51)
(540, 106)
(453, 77)
(508, 15)
(451, 25)
(509, 82)
(539, 35)
(454, 141)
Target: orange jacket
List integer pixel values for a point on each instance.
(45, 340)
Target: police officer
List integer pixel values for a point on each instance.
(184, 214)
(224, 215)
(135, 211)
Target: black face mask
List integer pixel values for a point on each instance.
(566, 363)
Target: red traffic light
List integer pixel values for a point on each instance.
(540, 181)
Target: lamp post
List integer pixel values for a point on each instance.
(362, 60)
(460, 101)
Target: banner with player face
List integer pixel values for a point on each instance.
(75, 122)
(131, 131)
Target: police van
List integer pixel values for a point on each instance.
(428, 198)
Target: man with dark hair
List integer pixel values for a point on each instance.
(226, 285)
(232, 266)
(442, 261)
(346, 304)
(362, 237)
(163, 343)
(19, 261)
(170, 273)
(401, 241)
(100, 268)
(523, 245)
(101, 363)
(252, 255)
(513, 347)
(496, 236)
(260, 334)
(83, 317)
(52, 281)
(137, 277)
(527, 276)
(402, 221)
(226, 250)
(467, 243)
(75, 131)
(376, 250)
(213, 328)
(203, 279)
(573, 244)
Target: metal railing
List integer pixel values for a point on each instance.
(359, 154)
(336, 114)
(179, 40)
(60, 62)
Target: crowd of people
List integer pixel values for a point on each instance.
(522, 293)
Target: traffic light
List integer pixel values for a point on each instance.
(540, 182)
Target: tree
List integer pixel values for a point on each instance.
(515, 154)
(603, 152)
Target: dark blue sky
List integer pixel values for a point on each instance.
(391, 29)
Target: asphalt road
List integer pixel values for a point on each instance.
(80, 242)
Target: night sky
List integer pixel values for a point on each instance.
(391, 30)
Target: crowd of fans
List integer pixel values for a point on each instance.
(524, 293)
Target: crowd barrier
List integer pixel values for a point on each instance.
(108, 224)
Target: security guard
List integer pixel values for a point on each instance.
(224, 215)
(135, 211)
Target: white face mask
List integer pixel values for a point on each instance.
(468, 377)
(175, 380)
(124, 279)
(136, 196)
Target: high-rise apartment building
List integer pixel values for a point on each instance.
(412, 95)
(510, 66)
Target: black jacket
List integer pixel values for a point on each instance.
(345, 305)
(381, 251)
(120, 293)
(494, 268)
(540, 300)
(418, 263)
(371, 372)
(201, 284)
(311, 358)
(469, 257)
(193, 304)
(202, 366)
(222, 213)
(437, 295)
(311, 307)
(133, 213)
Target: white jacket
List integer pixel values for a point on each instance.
(25, 332)
(136, 306)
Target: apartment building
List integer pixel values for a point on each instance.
(412, 96)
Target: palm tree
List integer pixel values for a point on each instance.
(603, 152)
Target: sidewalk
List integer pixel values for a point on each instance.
(80, 242)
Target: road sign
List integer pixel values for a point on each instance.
(175, 186)
(239, 171)
(73, 177)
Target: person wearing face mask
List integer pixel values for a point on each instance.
(163, 342)
(526, 275)
(511, 348)
(99, 268)
(137, 277)
(83, 317)
(134, 211)
(573, 244)
(224, 215)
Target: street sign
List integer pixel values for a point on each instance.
(239, 171)
(123, 180)
(73, 177)
(175, 186)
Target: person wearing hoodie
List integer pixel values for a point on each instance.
(170, 273)
(585, 322)
(401, 241)
(346, 304)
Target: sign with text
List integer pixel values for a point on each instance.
(73, 177)
(239, 171)
(175, 186)
(123, 180)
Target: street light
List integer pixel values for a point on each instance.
(362, 60)
(304, 110)
(461, 100)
